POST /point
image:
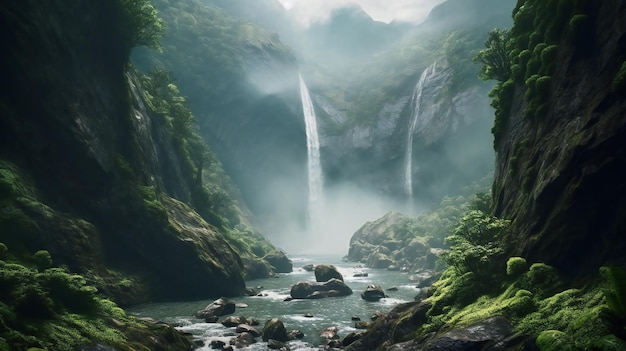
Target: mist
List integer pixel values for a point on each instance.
(343, 209)
(361, 61)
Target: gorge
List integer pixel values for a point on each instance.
(158, 155)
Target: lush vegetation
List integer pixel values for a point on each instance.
(481, 281)
(43, 307)
(213, 193)
(525, 56)
(140, 24)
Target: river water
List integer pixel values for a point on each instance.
(335, 311)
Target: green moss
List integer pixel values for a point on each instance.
(577, 29)
(516, 266)
(43, 260)
(554, 340)
(609, 343)
(615, 295)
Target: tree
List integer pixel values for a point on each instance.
(141, 24)
(495, 57)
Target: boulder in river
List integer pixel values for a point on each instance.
(217, 308)
(308, 267)
(245, 328)
(295, 334)
(316, 290)
(373, 293)
(233, 321)
(279, 261)
(274, 329)
(326, 272)
(243, 340)
(329, 333)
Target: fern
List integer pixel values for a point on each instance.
(615, 295)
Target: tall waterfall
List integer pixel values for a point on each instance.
(313, 153)
(416, 102)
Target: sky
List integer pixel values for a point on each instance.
(309, 11)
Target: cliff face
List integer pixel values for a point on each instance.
(86, 172)
(242, 84)
(560, 177)
(448, 136)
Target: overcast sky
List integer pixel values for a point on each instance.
(308, 11)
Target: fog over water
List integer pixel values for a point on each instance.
(309, 11)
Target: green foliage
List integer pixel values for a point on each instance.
(4, 251)
(476, 245)
(496, 64)
(141, 24)
(57, 310)
(534, 302)
(43, 260)
(516, 266)
(616, 294)
(554, 340)
(501, 100)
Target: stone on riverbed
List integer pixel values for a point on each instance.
(217, 308)
(326, 272)
(316, 290)
(279, 261)
(233, 321)
(274, 329)
(245, 328)
(373, 293)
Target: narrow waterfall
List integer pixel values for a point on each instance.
(416, 102)
(316, 181)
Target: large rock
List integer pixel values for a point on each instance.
(243, 340)
(274, 329)
(217, 308)
(373, 293)
(245, 328)
(496, 330)
(326, 272)
(559, 177)
(233, 321)
(279, 261)
(379, 260)
(317, 290)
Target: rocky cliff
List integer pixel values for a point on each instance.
(560, 174)
(242, 84)
(87, 172)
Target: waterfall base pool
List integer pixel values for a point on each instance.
(335, 311)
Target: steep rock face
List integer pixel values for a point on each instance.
(242, 84)
(561, 178)
(448, 135)
(87, 173)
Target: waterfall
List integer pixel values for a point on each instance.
(313, 154)
(416, 102)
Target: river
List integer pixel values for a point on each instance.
(335, 311)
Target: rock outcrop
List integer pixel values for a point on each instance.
(387, 242)
(560, 177)
(102, 187)
(326, 272)
(316, 290)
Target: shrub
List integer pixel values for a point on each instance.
(553, 340)
(615, 294)
(475, 245)
(43, 260)
(4, 251)
(141, 24)
(516, 266)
